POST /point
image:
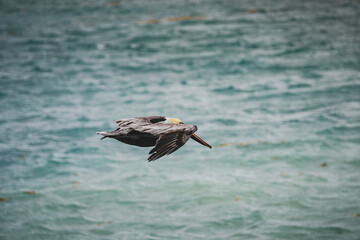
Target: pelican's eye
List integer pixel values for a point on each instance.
(181, 123)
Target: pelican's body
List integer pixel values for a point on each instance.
(149, 131)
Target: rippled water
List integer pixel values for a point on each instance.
(273, 85)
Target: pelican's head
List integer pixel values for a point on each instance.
(173, 121)
(193, 136)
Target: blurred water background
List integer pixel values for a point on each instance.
(274, 86)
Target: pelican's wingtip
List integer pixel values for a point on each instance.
(152, 158)
(102, 133)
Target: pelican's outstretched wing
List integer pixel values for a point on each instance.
(170, 141)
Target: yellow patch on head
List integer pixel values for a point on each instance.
(173, 120)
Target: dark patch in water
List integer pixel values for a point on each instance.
(312, 75)
(299, 85)
(229, 90)
(226, 122)
(83, 119)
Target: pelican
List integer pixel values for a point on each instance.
(166, 134)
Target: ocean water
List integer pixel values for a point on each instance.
(274, 86)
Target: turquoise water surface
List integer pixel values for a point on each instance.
(274, 86)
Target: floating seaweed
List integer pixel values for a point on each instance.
(30, 192)
(2, 199)
(324, 164)
(113, 4)
(224, 144)
(150, 21)
(252, 10)
(75, 184)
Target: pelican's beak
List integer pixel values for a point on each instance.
(199, 140)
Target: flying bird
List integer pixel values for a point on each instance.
(166, 134)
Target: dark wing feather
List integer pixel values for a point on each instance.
(168, 143)
(152, 119)
(148, 119)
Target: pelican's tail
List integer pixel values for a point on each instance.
(111, 134)
(105, 134)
